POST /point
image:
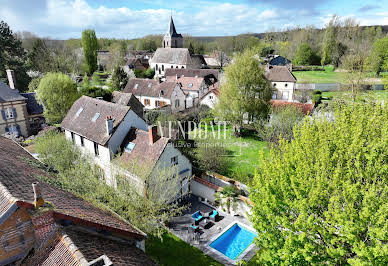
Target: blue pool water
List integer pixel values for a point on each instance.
(234, 241)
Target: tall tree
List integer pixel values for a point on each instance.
(12, 56)
(332, 48)
(246, 92)
(57, 93)
(40, 58)
(379, 55)
(304, 56)
(90, 46)
(322, 199)
(119, 78)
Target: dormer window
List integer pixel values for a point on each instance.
(161, 93)
(149, 85)
(136, 85)
(190, 85)
(95, 117)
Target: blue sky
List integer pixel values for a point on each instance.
(62, 19)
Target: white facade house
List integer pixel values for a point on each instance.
(106, 130)
(210, 99)
(283, 82)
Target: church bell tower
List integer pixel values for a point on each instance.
(172, 39)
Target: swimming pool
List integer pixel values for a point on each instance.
(234, 241)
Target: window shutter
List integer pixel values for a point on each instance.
(6, 129)
(18, 130)
(3, 114)
(15, 115)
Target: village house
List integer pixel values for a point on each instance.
(193, 88)
(210, 99)
(155, 95)
(211, 76)
(21, 114)
(128, 99)
(283, 82)
(173, 55)
(106, 130)
(43, 225)
(278, 60)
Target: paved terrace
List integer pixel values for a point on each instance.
(179, 227)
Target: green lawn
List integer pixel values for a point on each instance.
(378, 94)
(173, 251)
(242, 154)
(327, 76)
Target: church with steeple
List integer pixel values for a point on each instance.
(173, 55)
(172, 39)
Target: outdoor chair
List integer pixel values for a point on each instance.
(213, 215)
(197, 216)
(193, 228)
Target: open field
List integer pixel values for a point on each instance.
(328, 76)
(378, 94)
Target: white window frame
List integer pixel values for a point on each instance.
(9, 114)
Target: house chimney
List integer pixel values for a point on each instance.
(38, 200)
(109, 124)
(11, 78)
(152, 134)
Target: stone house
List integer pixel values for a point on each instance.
(20, 114)
(210, 99)
(43, 225)
(283, 82)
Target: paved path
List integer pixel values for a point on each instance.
(179, 227)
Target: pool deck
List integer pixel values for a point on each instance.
(179, 227)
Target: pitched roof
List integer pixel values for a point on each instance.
(190, 83)
(121, 97)
(173, 72)
(171, 29)
(33, 107)
(216, 92)
(19, 169)
(143, 151)
(178, 56)
(151, 88)
(279, 73)
(279, 61)
(71, 246)
(141, 86)
(8, 95)
(79, 118)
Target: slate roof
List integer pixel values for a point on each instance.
(19, 169)
(173, 72)
(279, 73)
(140, 87)
(143, 150)
(83, 124)
(172, 31)
(178, 56)
(279, 61)
(9, 95)
(33, 107)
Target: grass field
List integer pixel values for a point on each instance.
(377, 94)
(172, 251)
(327, 76)
(242, 154)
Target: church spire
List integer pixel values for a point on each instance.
(172, 30)
(172, 39)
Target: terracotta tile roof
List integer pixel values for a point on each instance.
(279, 73)
(190, 83)
(18, 170)
(140, 87)
(307, 108)
(71, 246)
(81, 122)
(144, 152)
